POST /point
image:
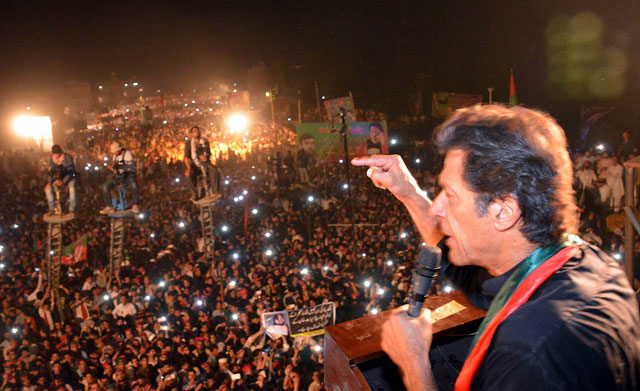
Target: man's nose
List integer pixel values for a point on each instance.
(437, 207)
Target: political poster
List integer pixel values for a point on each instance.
(312, 320)
(324, 142)
(334, 108)
(276, 324)
(239, 101)
(445, 103)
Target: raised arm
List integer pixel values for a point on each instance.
(389, 172)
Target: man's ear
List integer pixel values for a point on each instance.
(505, 213)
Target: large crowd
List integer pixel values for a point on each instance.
(174, 320)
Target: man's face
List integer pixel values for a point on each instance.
(195, 133)
(308, 146)
(469, 235)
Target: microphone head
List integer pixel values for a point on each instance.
(429, 260)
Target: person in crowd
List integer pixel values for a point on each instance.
(508, 215)
(613, 175)
(627, 146)
(197, 160)
(123, 169)
(62, 172)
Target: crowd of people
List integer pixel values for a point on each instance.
(174, 320)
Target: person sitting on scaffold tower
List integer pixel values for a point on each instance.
(62, 171)
(197, 160)
(124, 172)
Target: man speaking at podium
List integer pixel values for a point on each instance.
(562, 315)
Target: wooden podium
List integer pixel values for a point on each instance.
(351, 345)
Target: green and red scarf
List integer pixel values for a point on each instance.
(523, 282)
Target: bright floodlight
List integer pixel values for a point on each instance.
(162, 284)
(181, 224)
(232, 283)
(254, 211)
(236, 256)
(380, 292)
(374, 311)
(237, 122)
(234, 316)
(310, 198)
(225, 228)
(367, 283)
(105, 297)
(394, 141)
(147, 297)
(600, 147)
(304, 271)
(389, 263)
(35, 127)
(268, 253)
(317, 348)
(447, 289)
(199, 303)
(325, 268)
(267, 234)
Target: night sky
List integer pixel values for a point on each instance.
(384, 52)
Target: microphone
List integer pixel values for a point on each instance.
(427, 266)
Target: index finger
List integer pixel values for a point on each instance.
(383, 161)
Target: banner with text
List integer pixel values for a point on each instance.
(312, 321)
(322, 141)
(445, 103)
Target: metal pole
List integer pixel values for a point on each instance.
(490, 95)
(273, 119)
(318, 102)
(629, 201)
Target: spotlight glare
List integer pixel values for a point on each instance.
(374, 311)
(367, 283)
(447, 289)
(237, 123)
(225, 228)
